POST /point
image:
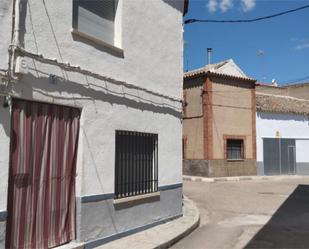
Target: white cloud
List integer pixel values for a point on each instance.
(212, 5)
(247, 5)
(225, 5)
(302, 46)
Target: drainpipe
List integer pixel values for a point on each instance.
(15, 40)
(12, 37)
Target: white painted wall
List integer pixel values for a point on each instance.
(288, 126)
(4, 153)
(102, 114)
(302, 151)
(5, 34)
(151, 40)
(152, 43)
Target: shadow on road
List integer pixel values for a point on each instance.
(289, 226)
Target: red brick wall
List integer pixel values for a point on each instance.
(208, 120)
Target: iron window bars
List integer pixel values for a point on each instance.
(235, 149)
(136, 163)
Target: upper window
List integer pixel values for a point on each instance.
(95, 18)
(235, 149)
(136, 163)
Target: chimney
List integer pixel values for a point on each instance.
(209, 50)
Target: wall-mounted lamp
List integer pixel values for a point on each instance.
(52, 79)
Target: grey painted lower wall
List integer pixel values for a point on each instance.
(101, 219)
(302, 168)
(2, 234)
(219, 167)
(3, 216)
(260, 168)
(195, 167)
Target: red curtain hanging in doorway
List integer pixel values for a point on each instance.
(41, 197)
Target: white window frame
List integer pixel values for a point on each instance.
(116, 45)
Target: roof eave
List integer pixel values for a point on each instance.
(226, 76)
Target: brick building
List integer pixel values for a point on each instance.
(219, 121)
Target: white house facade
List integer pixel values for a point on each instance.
(90, 119)
(282, 132)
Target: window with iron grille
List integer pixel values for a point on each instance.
(235, 149)
(95, 18)
(136, 163)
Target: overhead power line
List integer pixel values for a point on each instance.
(295, 81)
(192, 20)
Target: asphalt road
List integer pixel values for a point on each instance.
(250, 214)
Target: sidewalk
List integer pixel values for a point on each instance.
(236, 178)
(161, 236)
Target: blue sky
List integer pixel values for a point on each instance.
(284, 40)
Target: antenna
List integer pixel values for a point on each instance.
(261, 54)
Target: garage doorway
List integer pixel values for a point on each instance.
(41, 195)
(279, 156)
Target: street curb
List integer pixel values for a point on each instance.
(235, 178)
(189, 230)
(161, 236)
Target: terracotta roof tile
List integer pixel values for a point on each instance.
(281, 104)
(225, 69)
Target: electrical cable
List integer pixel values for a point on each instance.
(193, 20)
(295, 81)
(72, 68)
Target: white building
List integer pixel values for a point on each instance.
(282, 129)
(91, 106)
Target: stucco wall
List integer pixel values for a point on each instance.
(302, 157)
(47, 31)
(302, 151)
(146, 60)
(272, 90)
(193, 128)
(103, 219)
(5, 40)
(5, 127)
(301, 91)
(232, 115)
(103, 112)
(106, 106)
(193, 133)
(194, 105)
(5, 34)
(298, 90)
(231, 112)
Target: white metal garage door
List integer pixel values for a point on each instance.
(279, 156)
